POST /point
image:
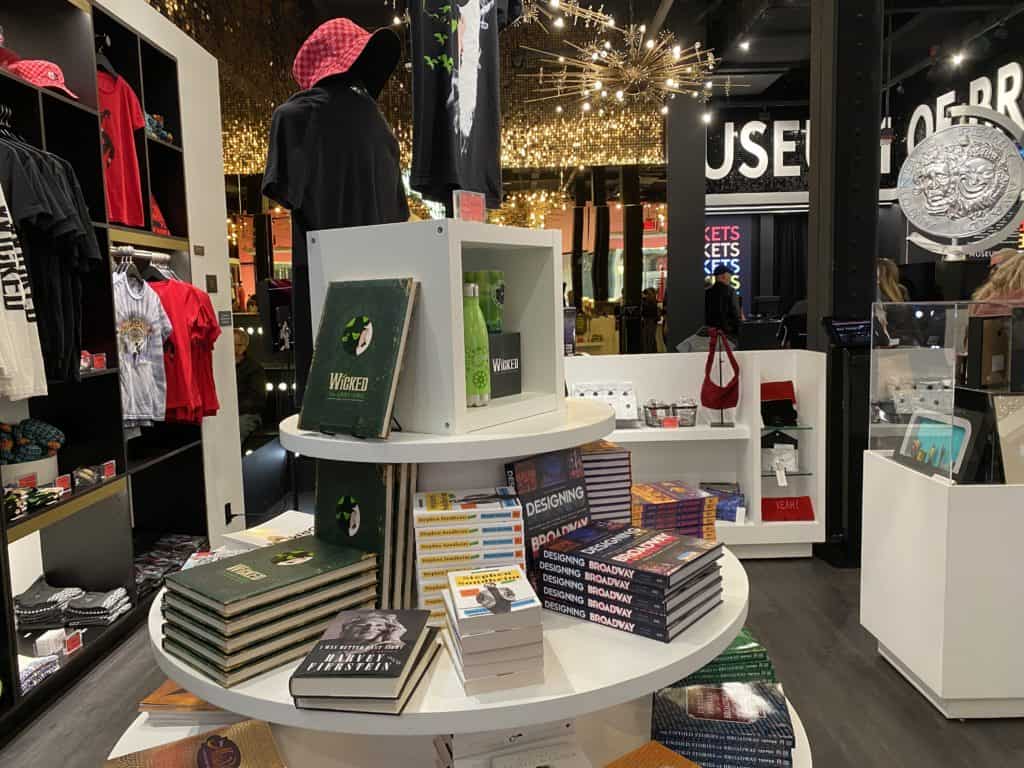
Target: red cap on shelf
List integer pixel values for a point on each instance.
(44, 74)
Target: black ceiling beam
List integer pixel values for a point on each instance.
(769, 68)
(962, 8)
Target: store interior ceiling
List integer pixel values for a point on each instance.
(765, 47)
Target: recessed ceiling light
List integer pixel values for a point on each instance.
(745, 45)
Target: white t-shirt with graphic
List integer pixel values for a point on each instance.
(22, 373)
(142, 329)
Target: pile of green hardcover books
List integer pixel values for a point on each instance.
(744, 661)
(239, 617)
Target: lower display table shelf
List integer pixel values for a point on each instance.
(604, 736)
(588, 668)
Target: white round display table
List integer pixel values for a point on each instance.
(587, 668)
(604, 737)
(583, 421)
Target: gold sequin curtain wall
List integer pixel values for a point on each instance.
(256, 40)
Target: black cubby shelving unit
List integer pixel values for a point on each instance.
(91, 537)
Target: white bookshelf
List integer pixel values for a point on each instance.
(726, 454)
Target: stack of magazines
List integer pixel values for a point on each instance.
(744, 661)
(608, 471)
(726, 725)
(676, 507)
(651, 583)
(494, 631)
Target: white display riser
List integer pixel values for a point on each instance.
(706, 454)
(604, 736)
(941, 586)
(432, 390)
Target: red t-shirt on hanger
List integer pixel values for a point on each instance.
(120, 116)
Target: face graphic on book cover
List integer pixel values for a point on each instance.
(495, 598)
(373, 629)
(358, 335)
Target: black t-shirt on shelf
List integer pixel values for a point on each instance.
(333, 161)
(456, 105)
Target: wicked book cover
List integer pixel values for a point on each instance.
(353, 377)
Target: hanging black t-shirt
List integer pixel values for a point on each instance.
(456, 107)
(333, 161)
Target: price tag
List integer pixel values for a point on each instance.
(27, 481)
(63, 481)
(780, 475)
(109, 469)
(73, 642)
(99, 361)
(469, 206)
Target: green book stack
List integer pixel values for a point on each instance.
(245, 615)
(744, 661)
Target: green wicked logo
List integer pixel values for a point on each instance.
(357, 335)
(347, 514)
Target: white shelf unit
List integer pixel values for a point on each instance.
(940, 586)
(726, 454)
(432, 388)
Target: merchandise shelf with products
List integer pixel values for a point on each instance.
(726, 454)
(160, 483)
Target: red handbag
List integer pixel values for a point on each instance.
(719, 396)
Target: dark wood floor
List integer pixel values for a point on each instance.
(859, 713)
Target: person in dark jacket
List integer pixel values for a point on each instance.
(251, 380)
(722, 303)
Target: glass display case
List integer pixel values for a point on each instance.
(947, 388)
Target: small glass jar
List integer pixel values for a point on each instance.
(686, 412)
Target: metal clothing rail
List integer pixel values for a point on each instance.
(131, 252)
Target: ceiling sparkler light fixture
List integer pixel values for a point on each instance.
(560, 12)
(642, 71)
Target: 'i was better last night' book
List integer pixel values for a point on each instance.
(353, 378)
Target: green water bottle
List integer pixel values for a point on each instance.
(478, 354)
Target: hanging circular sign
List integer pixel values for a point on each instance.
(963, 184)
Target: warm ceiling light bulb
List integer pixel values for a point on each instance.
(604, 94)
(594, 56)
(396, 21)
(664, 110)
(670, 82)
(561, 59)
(707, 85)
(694, 94)
(745, 45)
(643, 28)
(586, 106)
(649, 43)
(611, 21)
(558, 109)
(619, 95)
(559, 22)
(554, 3)
(597, 85)
(677, 52)
(706, 117)
(600, 112)
(607, 45)
(958, 58)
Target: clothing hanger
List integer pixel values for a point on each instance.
(102, 62)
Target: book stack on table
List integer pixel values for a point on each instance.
(457, 530)
(368, 661)
(744, 661)
(731, 725)
(494, 632)
(238, 617)
(730, 500)
(675, 507)
(608, 472)
(651, 583)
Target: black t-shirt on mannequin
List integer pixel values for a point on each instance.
(333, 161)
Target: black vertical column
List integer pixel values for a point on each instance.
(631, 334)
(602, 232)
(846, 86)
(263, 243)
(579, 207)
(685, 140)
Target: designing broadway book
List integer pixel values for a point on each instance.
(353, 378)
(362, 653)
(552, 489)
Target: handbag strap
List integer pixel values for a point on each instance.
(711, 352)
(730, 355)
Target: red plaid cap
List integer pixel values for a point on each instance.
(336, 45)
(45, 74)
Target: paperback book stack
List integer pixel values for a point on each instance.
(732, 725)
(730, 500)
(494, 632)
(673, 506)
(609, 477)
(744, 661)
(651, 583)
(170, 704)
(459, 530)
(243, 615)
(367, 661)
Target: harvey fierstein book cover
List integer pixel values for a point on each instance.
(353, 377)
(362, 653)
(552, 489)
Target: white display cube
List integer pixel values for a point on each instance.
(432, 388)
